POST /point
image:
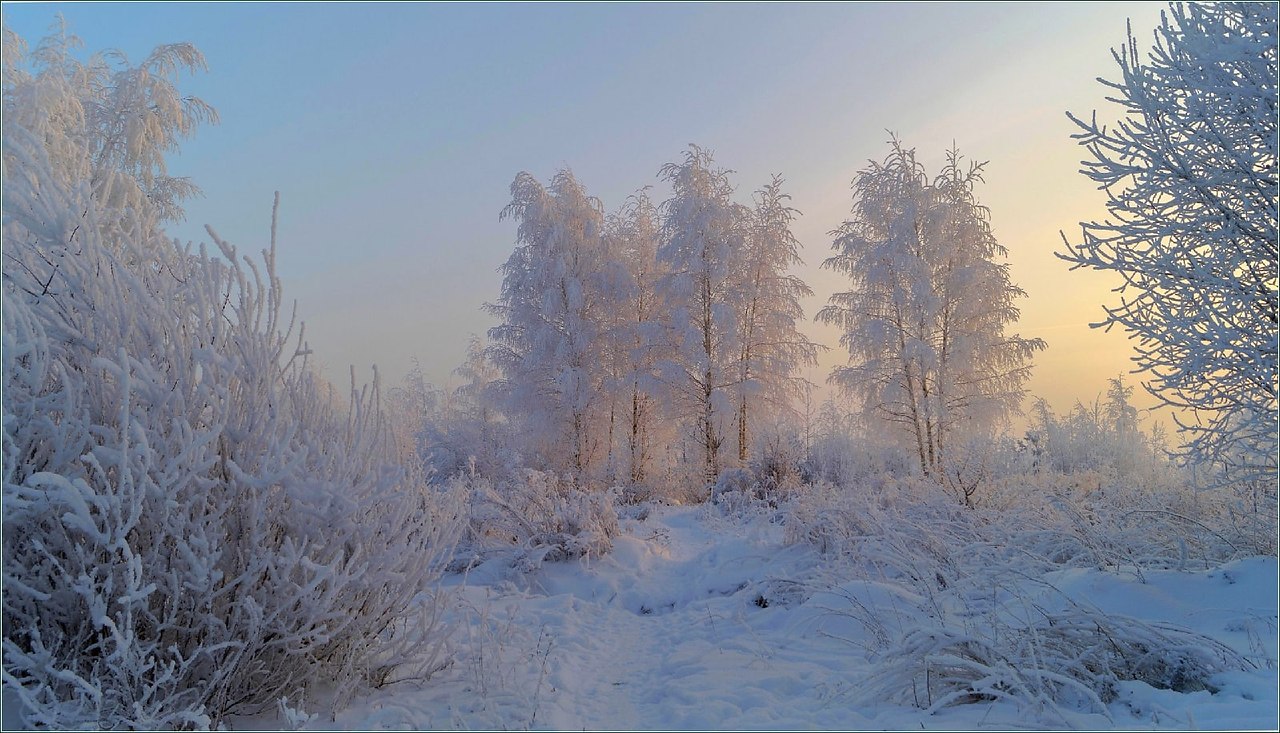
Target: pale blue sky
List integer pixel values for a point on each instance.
(393, 132)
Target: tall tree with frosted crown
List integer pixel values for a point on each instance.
(703, 243)
(108, 124)
(925, 318)
(1190, 175)
(770, 347)
(637, 338)
(553, 310)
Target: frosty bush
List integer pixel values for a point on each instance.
(191, 528)
(987, 627)
(1098, 466)
(842, 451)
(975, 621)
(1103, 436)
(1075, 657)
(545, 517)
(777, 462)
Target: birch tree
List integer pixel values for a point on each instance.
(1189, 169)
(105, 121)
(925, 318)
(634, 231)
(552, 311)
(703, 241)
(770, 347)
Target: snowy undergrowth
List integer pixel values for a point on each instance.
(978, 613)
(533, 517)
(706, 618)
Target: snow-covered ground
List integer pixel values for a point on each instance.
(696, 621)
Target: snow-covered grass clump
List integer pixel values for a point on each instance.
(534, 517)
(979, 615)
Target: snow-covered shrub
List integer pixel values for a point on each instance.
(191, 527)
(826, 517)
(732, 481)
(986, 627)
(1087, 519)
(776, 463)
(1252, 509)
(972, 467)
(973, 620)
(1102, 436)
(738, 493)
(545, 517)
(774, 471)
(841, 451)
(1075, 657)
(1096, 474)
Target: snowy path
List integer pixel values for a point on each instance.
(668, 632)
(665, 632)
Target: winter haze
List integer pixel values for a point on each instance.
(393, 132)
(712, 366)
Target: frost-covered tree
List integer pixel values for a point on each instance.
(458, 430)
(104, 120)
(1103, 436)
(770, 347)
(474, 401)
(553, 309)
(1189, 169)
(634, 233)
(704, 240)
(1121, 414)
(925, 319)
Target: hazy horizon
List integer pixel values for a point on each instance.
(394, 131)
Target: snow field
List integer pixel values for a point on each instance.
(695, 621)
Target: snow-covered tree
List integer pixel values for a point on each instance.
(704, 240)
(474, 402)
(638, 344)
(105, 121)
(1121, 414)
(770, 347)
(553, 309)
(1103, 436)
(925, 319)
(1190, 174)
(460, 429)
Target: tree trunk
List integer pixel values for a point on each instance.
(637, 450)
(711, 442)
